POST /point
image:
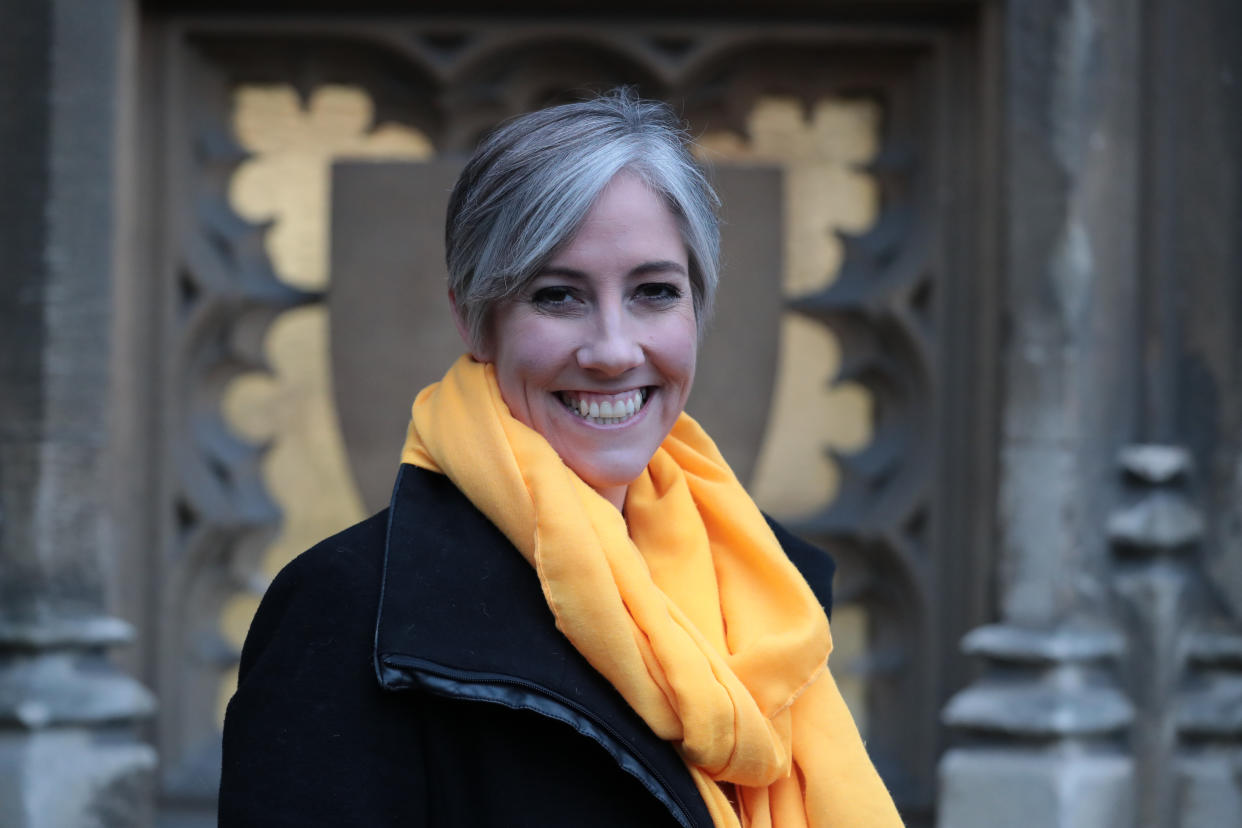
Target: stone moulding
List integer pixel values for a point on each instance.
(1184, 672)
(1042, 732)
(222, 297)
(1046, 685)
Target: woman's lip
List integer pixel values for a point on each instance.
(603, 395)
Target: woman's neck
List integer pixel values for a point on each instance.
(615, 495)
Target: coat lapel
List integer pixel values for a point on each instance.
(462, 614)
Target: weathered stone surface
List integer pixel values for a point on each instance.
(1068, 787)
(85, 778)
(1212, 707)
(1066, 643)
(1216, 642)
(1182, 669)
(1208, 793)
(1053, 707)
(1162, 521)
(67, 687)
(69, 755)
(1074, 310)
(1155, 463)
(1045, 684)
(88, 631)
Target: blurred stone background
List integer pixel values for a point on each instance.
(979, 337)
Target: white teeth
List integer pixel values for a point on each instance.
(609, 412)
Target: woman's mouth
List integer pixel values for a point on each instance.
(605, 409)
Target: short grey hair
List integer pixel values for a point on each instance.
(530, 184)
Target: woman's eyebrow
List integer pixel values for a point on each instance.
(555, 270)
(644, 269)
(662, 266)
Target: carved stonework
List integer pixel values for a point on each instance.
(1042, 735)
(71, 749)
(220, 515)
(876, 527)
(1044, 732)
(68, 719)
(1184, 669)
(1119, 333)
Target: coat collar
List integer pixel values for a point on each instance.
(457, 593)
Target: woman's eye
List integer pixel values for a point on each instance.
(658, 292)
(552, 297)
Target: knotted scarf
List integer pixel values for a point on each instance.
(686, 604)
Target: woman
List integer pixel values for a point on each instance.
(571, 613)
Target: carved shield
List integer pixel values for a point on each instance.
(392, 333)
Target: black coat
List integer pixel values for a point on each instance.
(408, 672)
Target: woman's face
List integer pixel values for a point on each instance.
(597, 353)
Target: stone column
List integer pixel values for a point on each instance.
(1177, 579)
(1042, 732)
(68, 751)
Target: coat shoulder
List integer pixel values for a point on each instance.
(309, 737)
(333, 585)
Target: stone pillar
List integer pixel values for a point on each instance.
(1042, 732)
(1126, 624)
(68, 751)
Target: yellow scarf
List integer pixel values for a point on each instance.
(692, 611)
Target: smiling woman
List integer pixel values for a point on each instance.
(571, 612)
(597, 352)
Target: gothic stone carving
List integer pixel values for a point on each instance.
(1184, 665)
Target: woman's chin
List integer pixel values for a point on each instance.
(606, 457)
(611, 477)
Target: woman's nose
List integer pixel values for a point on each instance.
(611, 346)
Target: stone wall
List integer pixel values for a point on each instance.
(68, 750)
(1112, 694)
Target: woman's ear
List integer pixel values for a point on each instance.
(459, 321)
